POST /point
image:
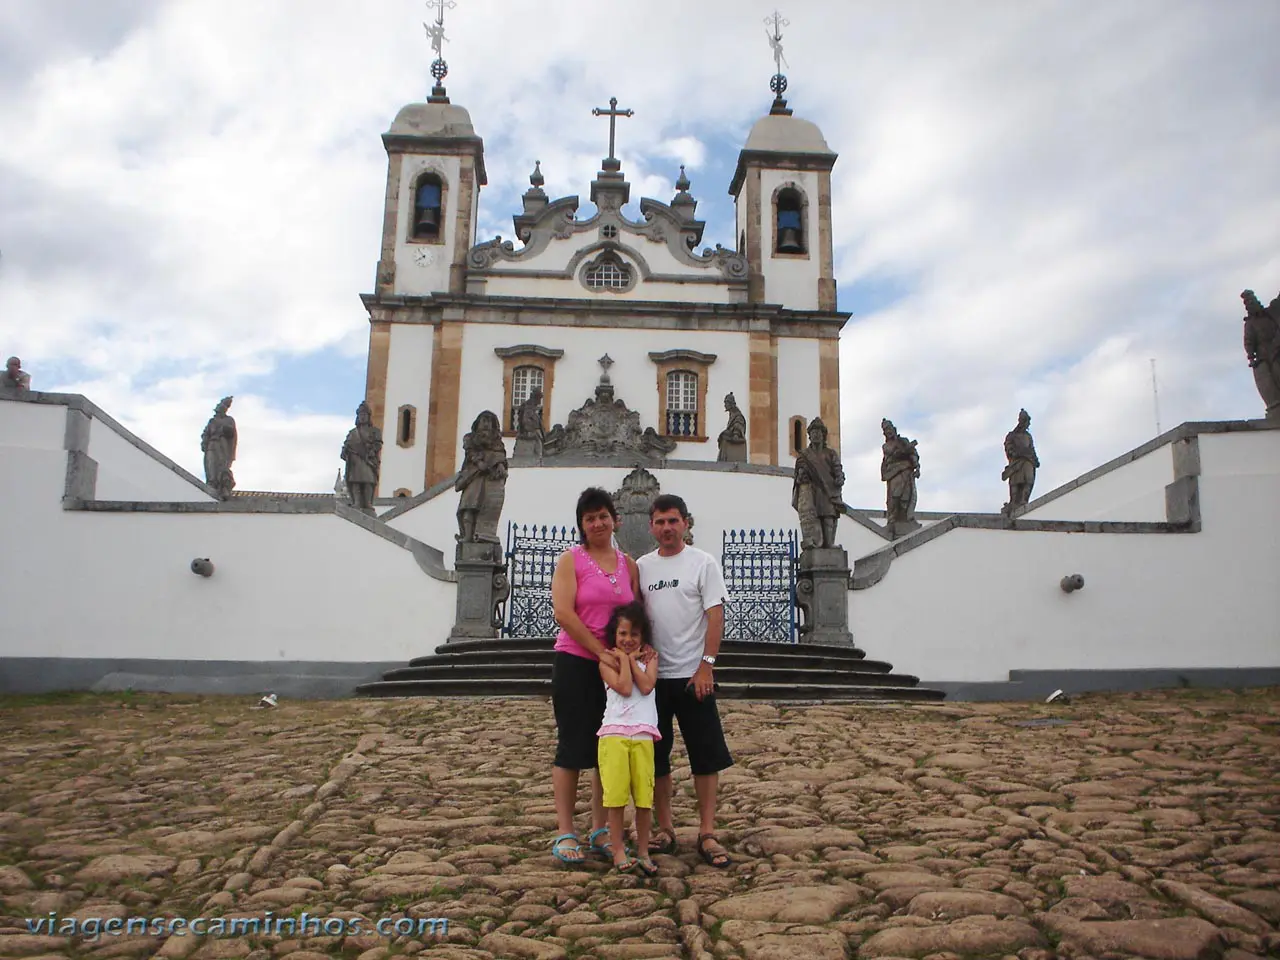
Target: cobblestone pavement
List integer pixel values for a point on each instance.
(1143, 825)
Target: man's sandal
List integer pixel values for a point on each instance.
(647, 866)
(668, 843)
(567, 841)
(628, 865)
(718, 860)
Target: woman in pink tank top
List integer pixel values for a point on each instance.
(590, 580)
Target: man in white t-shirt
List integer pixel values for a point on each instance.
(684, 595)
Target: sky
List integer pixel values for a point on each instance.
(1032, 201)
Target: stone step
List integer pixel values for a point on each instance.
(728, 691)
(728, 646)
(728, 674)
(792, 659)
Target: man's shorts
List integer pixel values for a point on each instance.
(699, 726)
(577, 697)
(626, 771)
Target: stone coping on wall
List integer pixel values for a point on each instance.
(429, 559)
(76, 401)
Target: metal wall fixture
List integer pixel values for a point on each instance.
(1072, 582)
(202, 566)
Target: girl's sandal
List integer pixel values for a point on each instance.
(628, 865)
(604, 849)
(567, 841)
(717, 859)
(647, 866)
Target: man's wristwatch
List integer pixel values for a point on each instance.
(709, 660)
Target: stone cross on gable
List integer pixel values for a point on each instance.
(613, 113)
(605, 363)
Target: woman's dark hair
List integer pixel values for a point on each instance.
(590, 500)
(634, 614)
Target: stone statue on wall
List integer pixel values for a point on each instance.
(529, 433)
(816, 493)
(1262, 348)
(482, 481)
(362, 451)
(733, 439)
(218, 443)
(1020, 450)
(899, 468)
(14, 377)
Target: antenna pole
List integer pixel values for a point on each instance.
(1155, 395)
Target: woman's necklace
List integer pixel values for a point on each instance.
(613, 577)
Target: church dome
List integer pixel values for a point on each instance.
(432, 120)
(779, 133)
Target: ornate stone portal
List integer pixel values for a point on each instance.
(483, 583)
(1262, 349)
(605, 427)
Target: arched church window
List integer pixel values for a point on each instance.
(428, 211)
(799, 435)
(406, 425)
(607, 272)
(682, 403)
(524, 380)
(789, 213)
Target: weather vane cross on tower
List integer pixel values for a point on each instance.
(775, 40)
(435, 33)
(613, 113)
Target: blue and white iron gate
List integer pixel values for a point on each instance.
(760, 575)
(531, 560)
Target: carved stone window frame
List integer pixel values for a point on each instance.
(527, 355)
(401, 439)
(439, 239)
(692, 361)
(804, 222)
(791, 434)
(632, 271)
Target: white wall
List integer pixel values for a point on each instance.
(127, 473)
(1132, 492)
(547, 495)
(797, 388)
(118, 585)
(408, 381)
(412, 277)
(974, 604)
(790, 282)
(634, 375)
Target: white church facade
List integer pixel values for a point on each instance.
(129, 572)
(459, 326)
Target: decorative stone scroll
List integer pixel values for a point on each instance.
(605, 427)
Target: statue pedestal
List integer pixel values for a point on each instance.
(482, 586)
(900, 528)
(822, 594)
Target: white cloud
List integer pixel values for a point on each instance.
(1056, 193)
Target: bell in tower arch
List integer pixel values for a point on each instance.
(790, 222)
(426, 212)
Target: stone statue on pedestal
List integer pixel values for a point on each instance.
(218, 443)
(529, 425)
(733, 439)
(816, 493)
(362, 451)
(14, 377)
(482, 481)
(1262, 349)
(899, 468)
(1020, 449)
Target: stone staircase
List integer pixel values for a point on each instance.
(745, 671)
